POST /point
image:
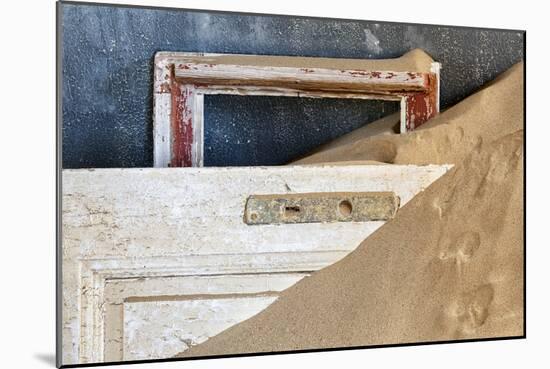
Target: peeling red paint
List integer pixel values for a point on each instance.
(182, 125)
(164, 88)
(202, 85)
(421, 106)
(358, 73)
(372, 74)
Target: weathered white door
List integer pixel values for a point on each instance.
(156, 260)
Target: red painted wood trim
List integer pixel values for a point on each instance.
(314, 79)
(182, 124)
(420, 106)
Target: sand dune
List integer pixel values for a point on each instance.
(449, 266)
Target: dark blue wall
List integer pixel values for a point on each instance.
(107, 55)
(259, 130)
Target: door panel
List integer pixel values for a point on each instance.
(158, 259)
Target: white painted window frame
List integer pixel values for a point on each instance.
(183, 79)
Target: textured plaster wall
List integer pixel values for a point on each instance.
(107, 55)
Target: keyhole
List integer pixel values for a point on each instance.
(291, 211)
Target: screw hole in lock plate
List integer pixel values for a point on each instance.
(345, 208)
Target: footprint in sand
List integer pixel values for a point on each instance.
(471, 309)
(462, 248)
(443, 204)
(498, 170)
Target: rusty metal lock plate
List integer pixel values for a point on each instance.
(320, 207)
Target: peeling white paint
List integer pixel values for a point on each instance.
(155, 330)
(165, 235)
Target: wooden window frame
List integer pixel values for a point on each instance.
(182, 79)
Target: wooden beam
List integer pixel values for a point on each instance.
(307, 79)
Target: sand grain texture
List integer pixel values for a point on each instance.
(449, 266)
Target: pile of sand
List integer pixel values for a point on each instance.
(449, 266)
(493, 112)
